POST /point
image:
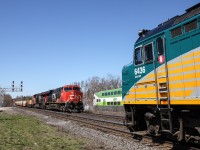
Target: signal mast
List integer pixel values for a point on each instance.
(12, 89)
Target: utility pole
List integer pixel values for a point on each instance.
(12, 89)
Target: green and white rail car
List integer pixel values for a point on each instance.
(108, 100)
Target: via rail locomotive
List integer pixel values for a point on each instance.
(108, 100)
(66, 98)
(161, 87)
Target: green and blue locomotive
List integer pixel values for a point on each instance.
(161, 87)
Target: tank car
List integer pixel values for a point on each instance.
(161, 87)
(66, 98)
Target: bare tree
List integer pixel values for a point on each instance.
(96, 84)
(8, 102)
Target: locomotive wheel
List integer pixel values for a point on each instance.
(78, 110)
(62, 109)
(68, 110)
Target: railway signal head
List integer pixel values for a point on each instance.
(21, 86)
(13, 86)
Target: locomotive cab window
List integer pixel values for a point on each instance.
(138, 56)
(68, 89)
(190, 26)
(148, 52)
(160, 46)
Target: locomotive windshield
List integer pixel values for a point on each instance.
(138, 56)
(76, 88)
(68, 89)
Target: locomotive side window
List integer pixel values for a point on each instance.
(148, 51)
(190, 26)
(176, 32)
(138, 56)
(160, 45)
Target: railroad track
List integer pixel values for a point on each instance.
(89, 120)
(113, 124)
(113, 119)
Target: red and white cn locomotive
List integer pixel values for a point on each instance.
(65, 98)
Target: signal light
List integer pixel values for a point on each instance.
(13, 86)
(21, 86)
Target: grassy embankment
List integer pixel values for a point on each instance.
(19, 132)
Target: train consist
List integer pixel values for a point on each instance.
(161, 87)
(66, 98)
(108, 100)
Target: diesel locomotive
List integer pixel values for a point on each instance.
(161, 86)
(66, 98)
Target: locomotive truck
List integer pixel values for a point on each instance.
(161, 87)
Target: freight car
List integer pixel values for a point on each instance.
(66, 98)
(30, 103)
(161, 87)
(20, 103)
(108, 100)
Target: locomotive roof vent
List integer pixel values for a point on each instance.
(143, 32)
